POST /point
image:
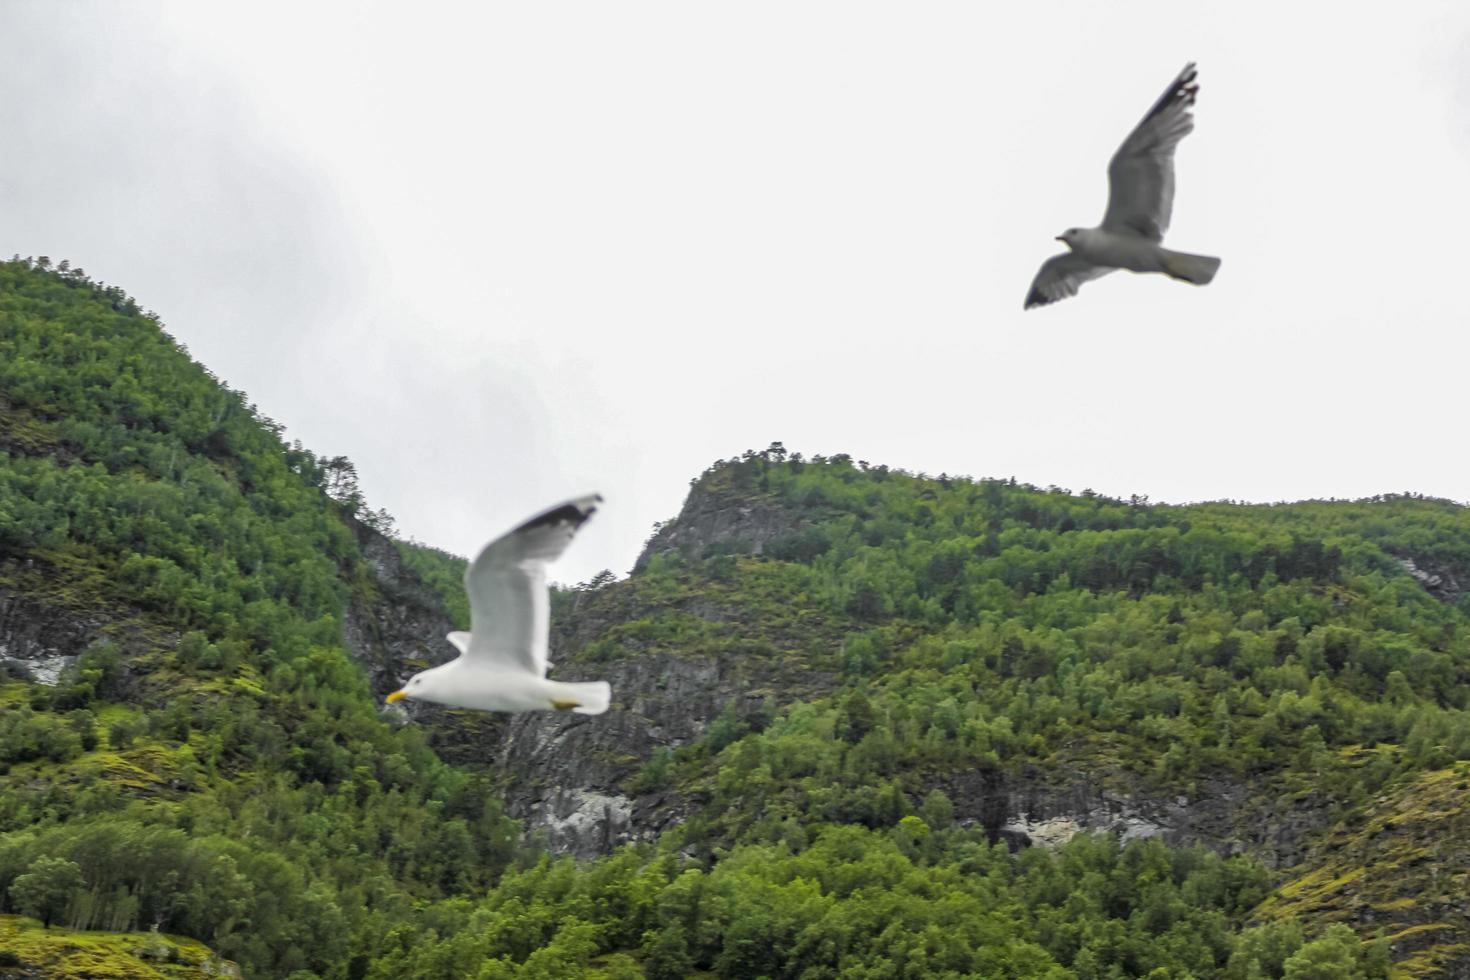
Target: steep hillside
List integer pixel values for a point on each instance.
(1160, 661)
(1034, 663)
(866, 723)
(211, 761)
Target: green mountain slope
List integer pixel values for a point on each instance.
(1023, 665)
(867, 723)
(214, 763)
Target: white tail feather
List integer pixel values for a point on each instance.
(1198, 269)
(592, 697)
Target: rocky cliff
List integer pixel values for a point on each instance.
(714, 522)
(571, 778)
(50, 613)
(1034, 806)
(1438, 577)
(397, 626)
(38, 640)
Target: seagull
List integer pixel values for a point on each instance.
(502, 659)
(1140, 199)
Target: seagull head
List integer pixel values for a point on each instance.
(1072, 236)
(422, 686)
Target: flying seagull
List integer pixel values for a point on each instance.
(502, 659)
(1140, 199)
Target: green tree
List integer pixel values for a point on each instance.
(666, 953)
(1336, 956)
(45, 890)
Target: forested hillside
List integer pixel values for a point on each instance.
(866, 723)
(214, 764)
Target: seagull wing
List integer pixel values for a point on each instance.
(1141, 174)
(1061, 276)
(510, 610)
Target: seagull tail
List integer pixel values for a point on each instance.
(591, 697)
(1198, 269)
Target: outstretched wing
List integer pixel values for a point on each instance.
(1061, 276)
(510, 610)
(1141, 174)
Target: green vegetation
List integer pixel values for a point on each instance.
(909, 901)
(1402, 860)
(220, 769)
(215, 766)
(61, 952)
(994, 623)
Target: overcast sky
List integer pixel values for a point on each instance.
(503, 254)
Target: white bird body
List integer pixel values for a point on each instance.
(505, 690)
(1140, 204)
(502, 660)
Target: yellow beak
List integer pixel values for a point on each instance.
(396, 695)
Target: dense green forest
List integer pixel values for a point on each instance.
(215, 765)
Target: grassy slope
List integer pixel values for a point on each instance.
(1398, 867)
(64, 953)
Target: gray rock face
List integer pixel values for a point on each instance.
(401, 630)
(1438, 579)
(38, 641)
(570, 774)
(582, 822)
(734, 525)
(42, 670)
(1031, 807)
(563, 774)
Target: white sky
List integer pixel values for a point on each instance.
(502, 254)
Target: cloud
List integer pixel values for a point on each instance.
(141, 162)
(504, 254)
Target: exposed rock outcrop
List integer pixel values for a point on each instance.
(399, 628)
(567, 775)
(1398, 866)
(42, 633)
(1035, 807)
(1438, 579)
(571, 774)
(711, 521)
(37, 640)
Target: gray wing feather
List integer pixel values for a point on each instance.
(1061, 276)
(1141, 174)
(510, 610)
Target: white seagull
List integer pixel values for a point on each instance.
(502, 659)
(1140, 200)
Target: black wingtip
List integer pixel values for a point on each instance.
(1184, 89)
(573, 512)
(1185, 85)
